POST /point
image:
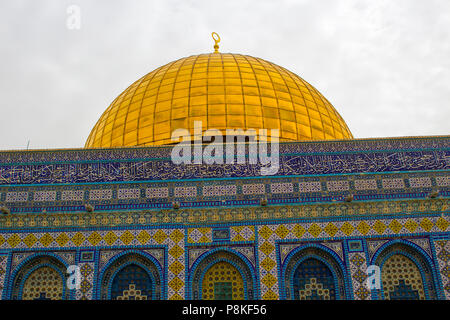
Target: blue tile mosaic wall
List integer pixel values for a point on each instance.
(334, 209)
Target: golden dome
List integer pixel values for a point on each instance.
(224, 91)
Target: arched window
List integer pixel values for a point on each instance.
(44, 283)
(42, 278)
(405, 274)
(313, 280)
(222, 281)
(313, 274)
(131, 283)
(131, 277)
(401, 279)
(222, 275)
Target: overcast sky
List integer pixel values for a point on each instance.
(384, 65)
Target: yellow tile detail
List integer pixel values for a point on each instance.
(266, 248)
(78, 239)
(270, 295)
(204, 239)
(331, 229)
(14, 240)
(426, 224)
(160, 236)
(265, 232)
(395, 226)
(30, 240)
(143, 237)
(268, 264)
(176, 267)
(94, 238)
(176, 283)
(176, 296)
(110, 238)
(282, 231)
(62, 239)
(238, 237)
(298, 231)
(46, 240)
(363, 228)
(442, 224)
(269, 280)
(127, 237)
(176, 251)
(176, 236)
(315, 230)
(411, 225)
(347, 228)
(379, 227)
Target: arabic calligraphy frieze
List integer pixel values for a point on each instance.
(301, 147)
(117, 171)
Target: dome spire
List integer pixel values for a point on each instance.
(216, 39)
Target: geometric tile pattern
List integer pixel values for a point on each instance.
(313, 280)
(443, 257)
(173, 239)
(87, 281)
(242, 233)
(93, 238)
(44, 283)
(374, 245)
(223, 215)
(269, 234)
(401, 279)
(199, 235)
(358, 269)
(219, 190)
(222, 281)
(131, 283)
(361, 145)
(3, 262)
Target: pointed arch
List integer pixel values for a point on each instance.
(222, 274)
(40, 277)
(406, 272)
(312, 272)
(131, 276)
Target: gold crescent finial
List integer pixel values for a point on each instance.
(216, 39)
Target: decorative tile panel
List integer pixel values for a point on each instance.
(157, 193)
(282, 187)
(422, 182)
(134, 193)
(219, 190)
(45, 196)
(311, 186)
(443, 256)
(366, 184)
(17, 196)
(185, 192)
(253, 188)
(393, 183)
(72, 195)
(100, 194)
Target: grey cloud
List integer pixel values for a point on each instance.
(383, 64)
